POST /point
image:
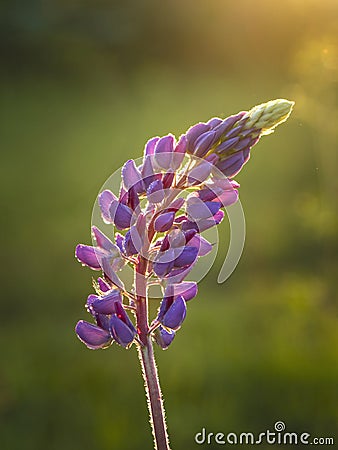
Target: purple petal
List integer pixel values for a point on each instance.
(212, 159)
(189, 234)
(121, 332)
(166, 302)
(194, 133)
(88, 256)
(90, 299)
(103, 285)
(226, 145)
(205, 224)
(179, 152)
(133, 200)
(93, 336)
(164, 262)
(131, 176)
(214, 122)
(162, 269)
(204, 143)
(104, 242)
(232, 165)
(203, 246)
(234, 132)
(168, 179)
(187, 289)
(119, 241)
(176, 238)
(105, 199)
(165, 244)
(186, 257)
(164, 221)
(229, 197)
(102, 321)
(150, 146)
(155, 192)
(121, 215)
(163, 151)
(243, 143)
(200, 172)
(176, 314)
(107, 303)
(132, 242)
(176, 204)
(196, 209)
(228, 123)
(163, 338)
(188, 225)
(147, 171)
(218, 217)
(110, 273)
(178, 275)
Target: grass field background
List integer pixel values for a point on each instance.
(75, 104)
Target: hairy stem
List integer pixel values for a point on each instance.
(154, 396)
(147, 360)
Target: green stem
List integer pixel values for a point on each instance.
(154, 396)
(147, 360)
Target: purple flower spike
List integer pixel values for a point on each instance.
(105, 200)
(122, 328)
(163, 338)
(163, 151)
(204, 143)
(121, 215)
(155, 192)
(186, 257)
(175, 315)
(92, 336)
(88, 256)
(107, 303)
(164, 221)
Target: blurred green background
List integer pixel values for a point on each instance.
(83, 86)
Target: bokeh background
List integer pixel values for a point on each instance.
(83, 85)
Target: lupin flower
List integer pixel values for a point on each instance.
(164, 205)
